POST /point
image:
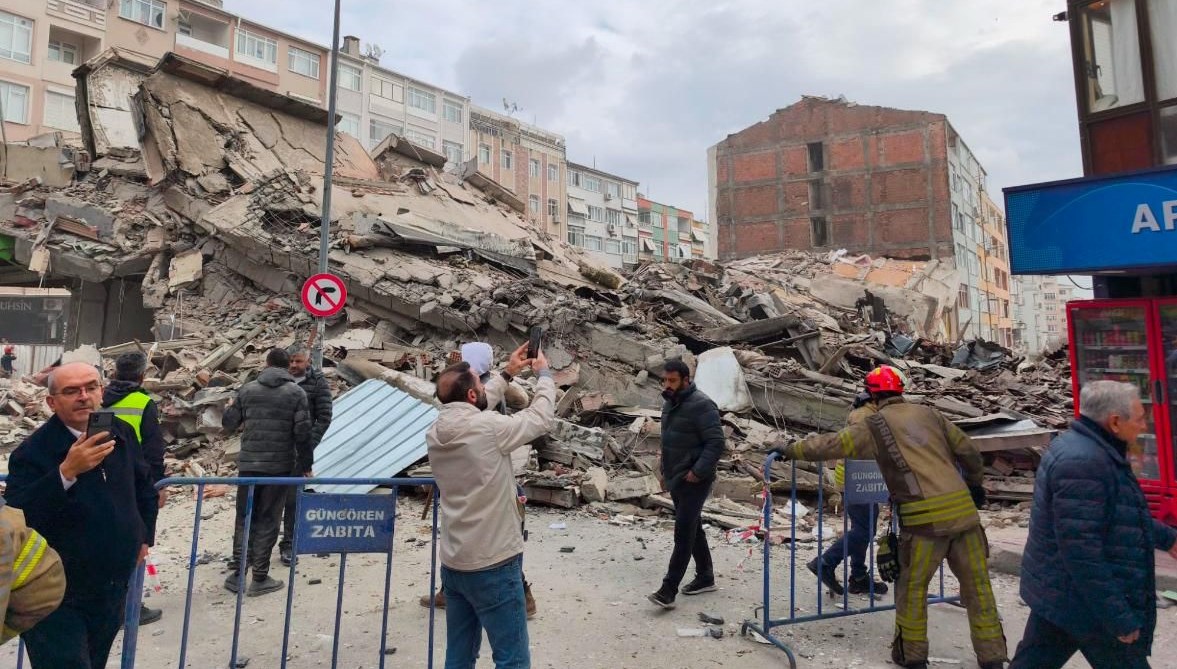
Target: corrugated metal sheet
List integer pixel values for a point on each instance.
(377, 430)
(32, 358)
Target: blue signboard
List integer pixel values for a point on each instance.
(344, 524)
(1097, 224)
(864, 483)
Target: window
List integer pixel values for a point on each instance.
(14, 102)
(596, 214)
(553, 172)
(1162, 19)
(420, 139)
(817, 160)
(533, 167)
(378, 130)
(553, 207)
(350, 77)
(382, 88)
(592, 184)
(962, 297)
(452, 112)
(629, 248)
(147, 12)
(655, 219)
(594, 243)
(644, 217)
(1111, 48)
(612, 247)
(507, 161)
(349, 123)
(613, 216)
(61, 52)
(423, 100)
(533, 204)
(658, 249)
(1052, 328)
(821, 232)
(1169, 135)
(612, 189)
(575, 236)
(1048, 296)
(257, 47)
(483, 154)
(16, 38)
(303, 62)
(60, 112)
(573, 178)
(452, 151)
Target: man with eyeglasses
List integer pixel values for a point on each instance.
(91, 497)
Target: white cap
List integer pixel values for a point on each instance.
(480, 356)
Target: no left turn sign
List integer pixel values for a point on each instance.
(323, 295)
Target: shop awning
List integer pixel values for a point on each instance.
(577, 206)
(697, 236)
(648, 244)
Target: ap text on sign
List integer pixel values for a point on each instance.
(864, 483)
(344, 523)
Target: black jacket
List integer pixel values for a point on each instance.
(153, 445)
(314, 384)
(692, 437)
(98, 525)
(277, 439)
(1089, 563)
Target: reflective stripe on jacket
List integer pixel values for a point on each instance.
(32, 579)
(130, 409)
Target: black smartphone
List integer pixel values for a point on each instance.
(537, 335)
(100, 421)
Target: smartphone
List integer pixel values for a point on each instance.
(100, 421)
(537, 335)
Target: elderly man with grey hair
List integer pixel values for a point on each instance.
(1089, 571)
(314, 384)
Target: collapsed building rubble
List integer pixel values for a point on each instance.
(210, 191)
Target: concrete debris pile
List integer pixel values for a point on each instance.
(209, 190)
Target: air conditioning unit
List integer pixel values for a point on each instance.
(608, 197)
(612, 228)
(556, 220)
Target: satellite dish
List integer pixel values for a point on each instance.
(373, 51)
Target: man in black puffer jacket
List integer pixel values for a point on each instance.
(277, 442)
(319, 403)
(1089, 574)
(692, 443)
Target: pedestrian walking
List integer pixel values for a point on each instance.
(1089, 571)
(91, 497)
(692, 443)
(320, 405)
(481, 545)
(276, 442)
(919, 451)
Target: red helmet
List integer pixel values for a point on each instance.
(884, 379)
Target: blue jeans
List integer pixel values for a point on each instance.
(491, 599)
(863, 518)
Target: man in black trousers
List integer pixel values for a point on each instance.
(91, 497)
(276, 443)
(692, 443)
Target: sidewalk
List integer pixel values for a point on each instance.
(1007, 544)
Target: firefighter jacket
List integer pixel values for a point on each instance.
(32, 580)
(918, 451)
(856, 416)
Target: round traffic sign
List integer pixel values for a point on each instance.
(323, 295)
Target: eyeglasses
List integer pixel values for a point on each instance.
(76, 391)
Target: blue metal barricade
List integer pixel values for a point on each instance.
(324, 523)
(764, 624)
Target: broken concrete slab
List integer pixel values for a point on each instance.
(595, 485)
(632, 487)
(185, 269)
(74, 208)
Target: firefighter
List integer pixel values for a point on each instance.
(33, 584)
(918, 451)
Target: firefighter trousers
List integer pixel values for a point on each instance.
(919, 558)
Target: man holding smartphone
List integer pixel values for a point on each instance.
(88, 492)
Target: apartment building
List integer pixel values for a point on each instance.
(1042, 311)
(827, 174)
(374, 102)
(669, 233)
(42, 41)
(997, 318)
(528, 160)
(602, 215)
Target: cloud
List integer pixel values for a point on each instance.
(643, 88)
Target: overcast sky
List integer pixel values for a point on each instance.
(643, 87)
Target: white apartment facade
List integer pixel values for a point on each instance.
(1042, 311)
(603, 215)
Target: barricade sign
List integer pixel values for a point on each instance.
(344, 524)
(864, 483)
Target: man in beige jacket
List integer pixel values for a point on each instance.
(481, 545)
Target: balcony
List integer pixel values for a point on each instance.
(190, 42)
(203, 34)
(88, 13)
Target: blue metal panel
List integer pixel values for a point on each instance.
(344, 524)
(377, 430)
(1097, 224)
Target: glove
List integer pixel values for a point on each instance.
(861, 399)
(887, 556)
(979, 496)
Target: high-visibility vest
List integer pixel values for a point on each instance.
(130, 409)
